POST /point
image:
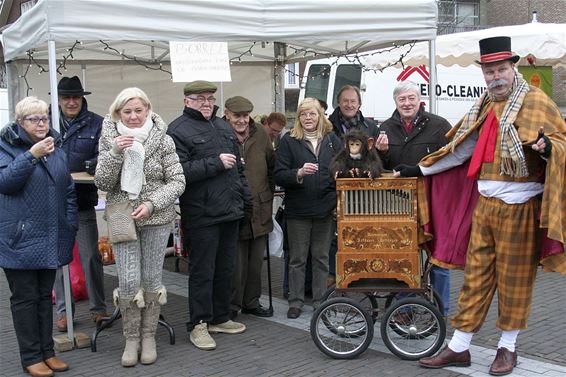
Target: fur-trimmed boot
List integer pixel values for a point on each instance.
(130, 308)
(150, 317)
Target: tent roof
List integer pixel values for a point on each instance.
(142, 28)
(546, 42)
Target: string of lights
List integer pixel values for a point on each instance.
(147, 65)
(31, 61)
(247, 52)
(354, 58)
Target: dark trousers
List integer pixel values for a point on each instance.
(212, 256)
(32, 312)
(246, 280)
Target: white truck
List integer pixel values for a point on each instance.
(457, 88)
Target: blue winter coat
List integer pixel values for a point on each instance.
(38, 220)
(80, 142)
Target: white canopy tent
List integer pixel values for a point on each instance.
(119, 40)
(546, 42)
(124, 39)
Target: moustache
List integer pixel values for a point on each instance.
(495, 83)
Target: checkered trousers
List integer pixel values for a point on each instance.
(503, 255)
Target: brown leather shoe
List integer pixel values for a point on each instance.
(504, 362)
(293, 313)
(39, 370)
(56, 364)
(447, 358)
(98, 316)
(61, 322)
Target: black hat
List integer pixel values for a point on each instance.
(71, 87)
(496, 49)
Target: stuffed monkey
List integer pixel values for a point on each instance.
(358, 159)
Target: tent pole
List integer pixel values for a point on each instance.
(55, 125)
(83, 74)
(433, 80)
(280, 53)
(12, 79)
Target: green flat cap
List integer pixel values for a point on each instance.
(199, 86)
(239, 104)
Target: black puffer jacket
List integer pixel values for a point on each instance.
(426, 137)
(213, 194)
(316, 195)
(367, 126)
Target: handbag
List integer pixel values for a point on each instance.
(121, 225)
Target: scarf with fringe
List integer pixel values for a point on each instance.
(513, 161)
(132, 177)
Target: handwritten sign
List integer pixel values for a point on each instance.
(192, 61)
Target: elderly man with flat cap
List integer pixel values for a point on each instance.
(259, 160)
(512, 143)
(80, 130)
(216, 199)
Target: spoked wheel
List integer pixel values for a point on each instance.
(413, 328)
(366, 300)
(436, 300)
(341, 328)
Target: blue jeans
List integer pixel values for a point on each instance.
(440, 280)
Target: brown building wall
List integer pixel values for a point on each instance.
(516, 12)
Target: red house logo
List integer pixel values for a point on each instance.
(407, 72)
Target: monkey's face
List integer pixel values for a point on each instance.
(355, 146)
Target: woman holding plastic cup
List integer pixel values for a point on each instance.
(302, 168)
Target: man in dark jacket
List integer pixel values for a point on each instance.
(216, 198)
(348, 115)
(259, 160)
(80, 130)
(410, 134)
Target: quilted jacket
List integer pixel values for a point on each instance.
(164, 179)
(38, 207)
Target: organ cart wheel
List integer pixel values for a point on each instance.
(413, 328)
(436, 300)
(341, 328)
(367, 300)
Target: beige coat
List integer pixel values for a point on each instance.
(165, 180)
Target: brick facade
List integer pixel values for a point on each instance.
(517, 12)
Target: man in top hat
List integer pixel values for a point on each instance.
(80, 130)
(512, 143)
(259, 159)
(216, 199)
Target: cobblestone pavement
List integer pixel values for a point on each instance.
(278, 346)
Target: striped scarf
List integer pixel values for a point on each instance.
(513, 161)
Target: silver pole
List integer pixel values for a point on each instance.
(433, 76)
(55, 125)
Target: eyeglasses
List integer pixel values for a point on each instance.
(202, 99)
(308, 115)
(275, 130)
(36, 120)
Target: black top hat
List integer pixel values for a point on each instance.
(496, 49)
(71, 87)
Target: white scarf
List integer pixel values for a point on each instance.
(133, 177)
